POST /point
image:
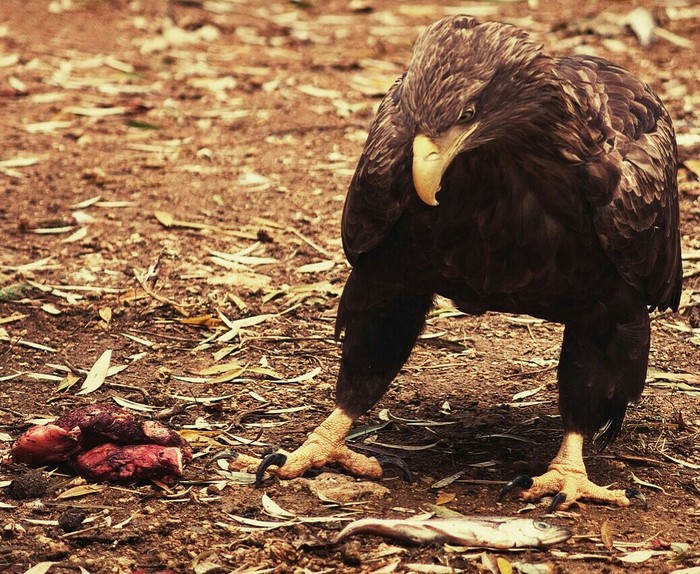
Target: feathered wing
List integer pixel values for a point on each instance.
(637, 223)
(379, 188)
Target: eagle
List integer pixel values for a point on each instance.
(507, 179)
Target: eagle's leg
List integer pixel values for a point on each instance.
(379, 338)
(601, 370)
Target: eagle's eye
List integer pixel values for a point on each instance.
(466, 115)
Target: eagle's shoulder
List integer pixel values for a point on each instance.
(379, 188)
(629, 174)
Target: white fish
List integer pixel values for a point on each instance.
(485, 531)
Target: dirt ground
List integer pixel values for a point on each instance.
(169, 168)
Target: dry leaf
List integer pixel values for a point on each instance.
(606, 535)
(228, 376)
(639, 556)
(446, 481)
(202, 400)
(315, 92)
(246, 279)
(164, 218)
(642, 23)
(67, 382)
(115, 204)
(86, 202)
(50, 309)
(96, 377)
(139, 340)
(238, 324)
(273, 509)
(528, 393)
(134, 406)
(432, 568)
(445, 498)
(105, 314)
(504, 566)
(221, 368)
(202, 321)
(693, 165)
(18, 162)
(13, 318)
(77, 235)
(316, 267)
(648, 484)
(46, 127)
(82, 490)
(40, 568)
(52, 230)
(95, 112)
(301, 378)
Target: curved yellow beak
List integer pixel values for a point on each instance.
(431, 158)
(428, 167)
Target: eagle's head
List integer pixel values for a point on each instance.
(468, 85)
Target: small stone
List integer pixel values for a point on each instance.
(71, 520)
(342, 489)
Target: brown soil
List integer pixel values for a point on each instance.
(208, 126)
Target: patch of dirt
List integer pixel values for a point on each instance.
(169, 168)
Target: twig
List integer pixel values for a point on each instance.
(160, 298)
(309, 242)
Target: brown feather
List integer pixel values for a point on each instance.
(562, 204)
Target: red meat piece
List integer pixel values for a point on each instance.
(131, 463)
(41, 444)
(89, 426)
(101, 423)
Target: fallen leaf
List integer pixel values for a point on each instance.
(238, 324)
(316, 267)
(50, 309)
(134, 406)
(639, 556)
(315, 92)
(648, 484)
(164, 218)
(19, 162)
(105, 314)
(95, 112)
(446, 481)
(275, 510)
(504, 566)
(67, 382)
(528, 393)
(96, 377)
(606, 535)
(77, 235)
(46, 127)
(693, 165)
(445, 498)
(40, 568)
(301, 378)
(82, 490)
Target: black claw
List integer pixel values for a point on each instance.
(559, 497)
(219, 455)
(519, 482)
(397, 462)
(274, 459)
(634, 494)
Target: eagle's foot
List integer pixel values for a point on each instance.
(325, 445)
(567, 479)
(569, 484)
